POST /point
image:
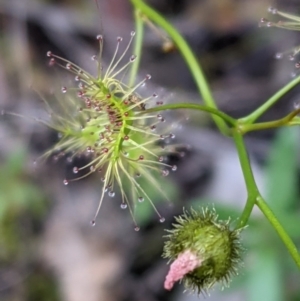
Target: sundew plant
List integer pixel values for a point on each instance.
(128, 139)
(104, 117)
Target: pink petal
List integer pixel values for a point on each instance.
(185, 263)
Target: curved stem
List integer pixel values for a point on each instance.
(287, 120)
(264, 107)
(254, 198)
(187, 54)
(248, 176)
(137, 50)
(193, 106)
(265, 209)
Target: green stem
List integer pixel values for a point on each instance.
(248, 176)
(193, 106)
(264, 107)
(137, 49)
(287, 120)
(187, 54)
(263, 206)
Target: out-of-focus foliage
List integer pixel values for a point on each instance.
(22, 206)
(22, 210)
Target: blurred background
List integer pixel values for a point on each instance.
(48, 251)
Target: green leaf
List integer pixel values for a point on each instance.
(281, 171)
(264, 281)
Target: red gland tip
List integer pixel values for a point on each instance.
(185, 263)
(51, 62)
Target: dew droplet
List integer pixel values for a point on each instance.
(136, 228)
(278, 56)
(174, 167)
(68, 66)
(132, 58)
(75, 169)
(296, 106)
(263, 20)
(165, 172)
(141, 199)
(111, 193)
(154, 95)
(160, 159)
(94, 57)
(93, 223)
(162, 219)
(297, 65)
(63, 89)
(182, 154)
(49, 53)
(119, 39)
(148, 76)
(272, 10)
(172, 136)
(291, 57)
(132, 33)
(66, 182)
(100, 37)
(141, 157)
(123, 206)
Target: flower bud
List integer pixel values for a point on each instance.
(203, 249)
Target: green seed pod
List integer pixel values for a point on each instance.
(204, 250)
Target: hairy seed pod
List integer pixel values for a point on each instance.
(203, 249)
